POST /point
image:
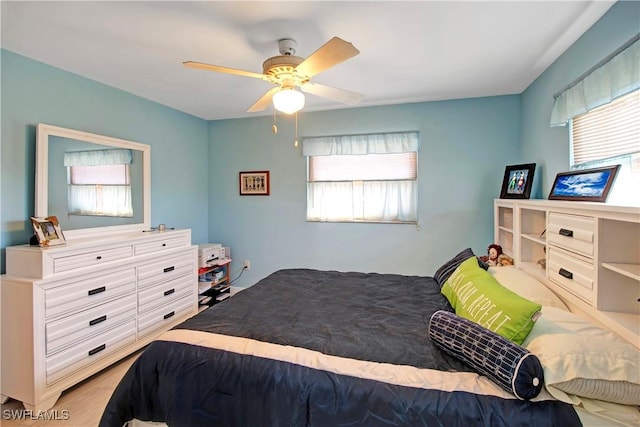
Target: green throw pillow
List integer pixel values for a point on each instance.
(474, 294)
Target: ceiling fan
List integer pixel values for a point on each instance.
(288, 71)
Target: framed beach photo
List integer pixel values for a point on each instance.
(517, 181)
(254, 183)
(47, 231)
(591, 185)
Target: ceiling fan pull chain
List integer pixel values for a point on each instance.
(274, 128)
(295, 143)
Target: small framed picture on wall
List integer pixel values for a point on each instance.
(254, 183)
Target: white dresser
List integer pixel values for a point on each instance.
(69, 311)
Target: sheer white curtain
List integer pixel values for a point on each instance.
(615, 76)
(384, 200)
(110, 200)
(99, 182)
(362, 184)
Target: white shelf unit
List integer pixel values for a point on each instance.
(214, 291)
(590, 253)
(503, 225)
(531, 238)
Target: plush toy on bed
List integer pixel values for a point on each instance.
(504, 260)
(493, 252)
(495, 257)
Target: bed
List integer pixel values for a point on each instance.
(321, 348)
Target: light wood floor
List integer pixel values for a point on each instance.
(83, 403)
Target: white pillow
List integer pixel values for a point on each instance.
(582, 360)
(526, 286)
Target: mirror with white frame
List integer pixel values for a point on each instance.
(67, 164)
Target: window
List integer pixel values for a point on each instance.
(610, 135)
(362, 178)
(99, 182)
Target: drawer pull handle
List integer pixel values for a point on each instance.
(97, 320)
(566, 233)
(97, 349)
(164, 244)
(97, 290)
(169, 292)
(99, 257)
(168, 315)
(168, 269)
(566, 273)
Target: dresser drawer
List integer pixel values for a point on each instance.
(72, 329)
(162, 316)
(91, 259)
(573, 274)
(162, 244)
(167, 267)
(573, 232)
(89, 291)
(68, 361)
(165, 292)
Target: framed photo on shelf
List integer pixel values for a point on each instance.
(254, 183)
(592, 185)
(517, 181)
(47, 231)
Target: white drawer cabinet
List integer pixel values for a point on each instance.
(588, 253)
(163, 292)
(164, 268)
(572, 273)
(572, 232)
(40, 263)
(90, 259)
(161, 318)
(161, 245)
(69, 311)
(89, 351)
(72, 329)
(83, 292)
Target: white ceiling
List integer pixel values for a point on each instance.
(410, 51)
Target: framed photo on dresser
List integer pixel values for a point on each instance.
(517, 181)
(591, 185)
(47, 231)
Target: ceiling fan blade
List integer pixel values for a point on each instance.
(209, 67)
(264, 101)
(331, 53)
(341, 95)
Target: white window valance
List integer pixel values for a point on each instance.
(615, 76)
(98, 157)
(379, 143)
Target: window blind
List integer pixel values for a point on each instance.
(363, 168)
(608, 131)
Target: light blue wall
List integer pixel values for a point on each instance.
(465, 145)
(33, 92)
(549, 147)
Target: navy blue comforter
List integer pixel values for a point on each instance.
(367, 317)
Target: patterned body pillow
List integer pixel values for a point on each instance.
(510, 366)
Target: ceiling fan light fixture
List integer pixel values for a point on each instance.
(288, 100)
